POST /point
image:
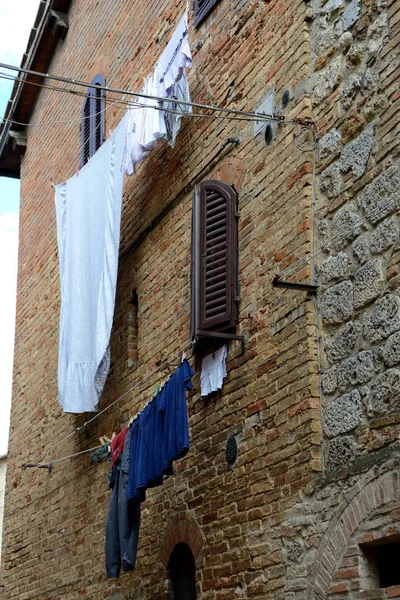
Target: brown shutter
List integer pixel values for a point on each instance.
(92, 125)
(215, 266)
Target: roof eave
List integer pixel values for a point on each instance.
(40, 50)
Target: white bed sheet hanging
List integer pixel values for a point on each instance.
(88, 210)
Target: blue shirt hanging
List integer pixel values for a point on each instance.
(173, 403)
(160, 434)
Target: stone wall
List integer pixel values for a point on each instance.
(54, 523)
(355, 99)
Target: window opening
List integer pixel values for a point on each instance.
(381, 564)
(182, 573)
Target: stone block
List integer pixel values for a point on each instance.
(349, 90)
(360, 248)
(370, 80)
(383, 320)
(377, 32)
(366, 397)
(294, 551)
(324, 41)
(344, 342)
(368, 283)
(326, 81)
(381, 197)
(355, 370)
(385, 235)
(343, 414)
(330, 144)
(341, 452)
(329, 381)
(355, 54)
(350, 15)
(345, 41)
(337, 303)
(331, 181)
(386, 392)
(355, 155)
(391, 350)
(345, 226)
(335, 267)
(332, 6)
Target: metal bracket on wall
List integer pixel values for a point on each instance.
(226, 336)
(302, 287)
(30, 466)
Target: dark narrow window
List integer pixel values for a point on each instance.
(201, 9)
(215, 294)
(182, 573)
(132, 322)
(92, 127)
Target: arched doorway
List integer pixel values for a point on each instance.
(182, 573)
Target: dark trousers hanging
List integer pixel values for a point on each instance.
(123, 520)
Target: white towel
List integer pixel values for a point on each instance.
(145, 126)
(175, 58)
(88, 209)
(213, 371)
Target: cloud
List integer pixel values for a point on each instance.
(17, 19)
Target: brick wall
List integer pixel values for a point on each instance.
(248, 525)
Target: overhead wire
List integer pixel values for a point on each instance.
(325, 246)
(69, 456)
(108, 89)
(126, 104)
(97, 415)
(241, 115)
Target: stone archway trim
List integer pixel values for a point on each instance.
(182, 528)
(366, 500)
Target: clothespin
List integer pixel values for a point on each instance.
(53, 185)
(104, 440)
(113, 435)
(183, 356)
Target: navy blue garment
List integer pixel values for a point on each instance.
(136, 461)
(123, 519)
(176, 428)
(160, 434)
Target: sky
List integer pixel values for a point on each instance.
(16, 20)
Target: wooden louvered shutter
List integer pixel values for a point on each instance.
(201, 9)
(85, 132)
(92, 126)
(215, 258)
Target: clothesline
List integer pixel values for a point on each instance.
(374, 214)
(254, 115)
(126, 103)
(137, 385)
(255, 367)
